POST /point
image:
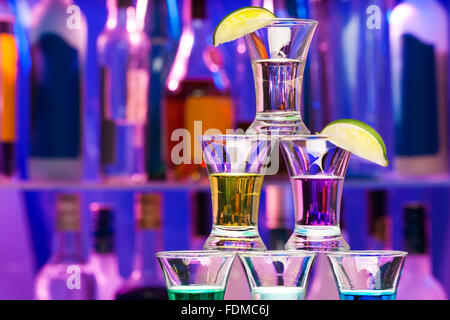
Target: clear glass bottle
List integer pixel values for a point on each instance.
(8, 79)
(123, 57)
(322, 285)
(198, 95)
(418, 34)
(58, 43)
(279, 213)
(146, 281)
(162, 25)
(103, 258)
(349, 69)
(66, 276)
(418, 281)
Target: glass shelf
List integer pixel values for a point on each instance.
(384, 182)
(153, 186)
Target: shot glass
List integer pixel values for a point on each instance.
(278, 275)
(195, 275)
(367, 275)
(237, 164)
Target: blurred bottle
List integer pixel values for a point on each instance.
(201, 218)
(349, 68)
(279, 215)
(419, 51)
(322, 284)
(162, 25)
(417, 281)
(8, 78)
(103, 258)
(198, 97)
(66, 276)
(145, 281)
(58, 35)
(123, 56)
(380, 223)
(237, 285)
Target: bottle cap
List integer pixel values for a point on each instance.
(148, 207)
(103, 227)
(279, 207)
(124, 3)
(415, 219)
(68, 212)
(198, 9)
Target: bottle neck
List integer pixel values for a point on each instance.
(197, 67)
(144, 257)
(418, 264)
(104, 244)
(67, 246)
(126, 17)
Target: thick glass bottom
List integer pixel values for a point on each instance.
(317, 238)
(234, 239)
(279, 122)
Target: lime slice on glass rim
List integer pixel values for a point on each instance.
(241, 22)
(358, 138)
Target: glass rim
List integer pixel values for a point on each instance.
(265, 136)
(305, 137)
(194, 253)
(287, 22)
(224, 137)
(368, 253)
(274, 253)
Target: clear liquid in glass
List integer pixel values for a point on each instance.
(278, 293)
(278, 84)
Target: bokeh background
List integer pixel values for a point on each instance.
(348, 75)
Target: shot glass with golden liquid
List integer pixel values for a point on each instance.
(236, 166)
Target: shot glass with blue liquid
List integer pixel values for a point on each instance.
(278, 275)
(366, 274)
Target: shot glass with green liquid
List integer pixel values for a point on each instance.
(195, 275)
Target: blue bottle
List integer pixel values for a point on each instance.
(57, 35)
(419, 50)
(350, 68)
(162, 25)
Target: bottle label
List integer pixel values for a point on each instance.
(214, 112)
(68, 213)
(150, 211)
(8, 65)
(417, 131)
(55, 99)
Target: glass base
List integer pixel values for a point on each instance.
(317, 238)
(279, 122)
(234, 239)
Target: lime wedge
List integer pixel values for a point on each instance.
(359, 138)
(239, 23)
